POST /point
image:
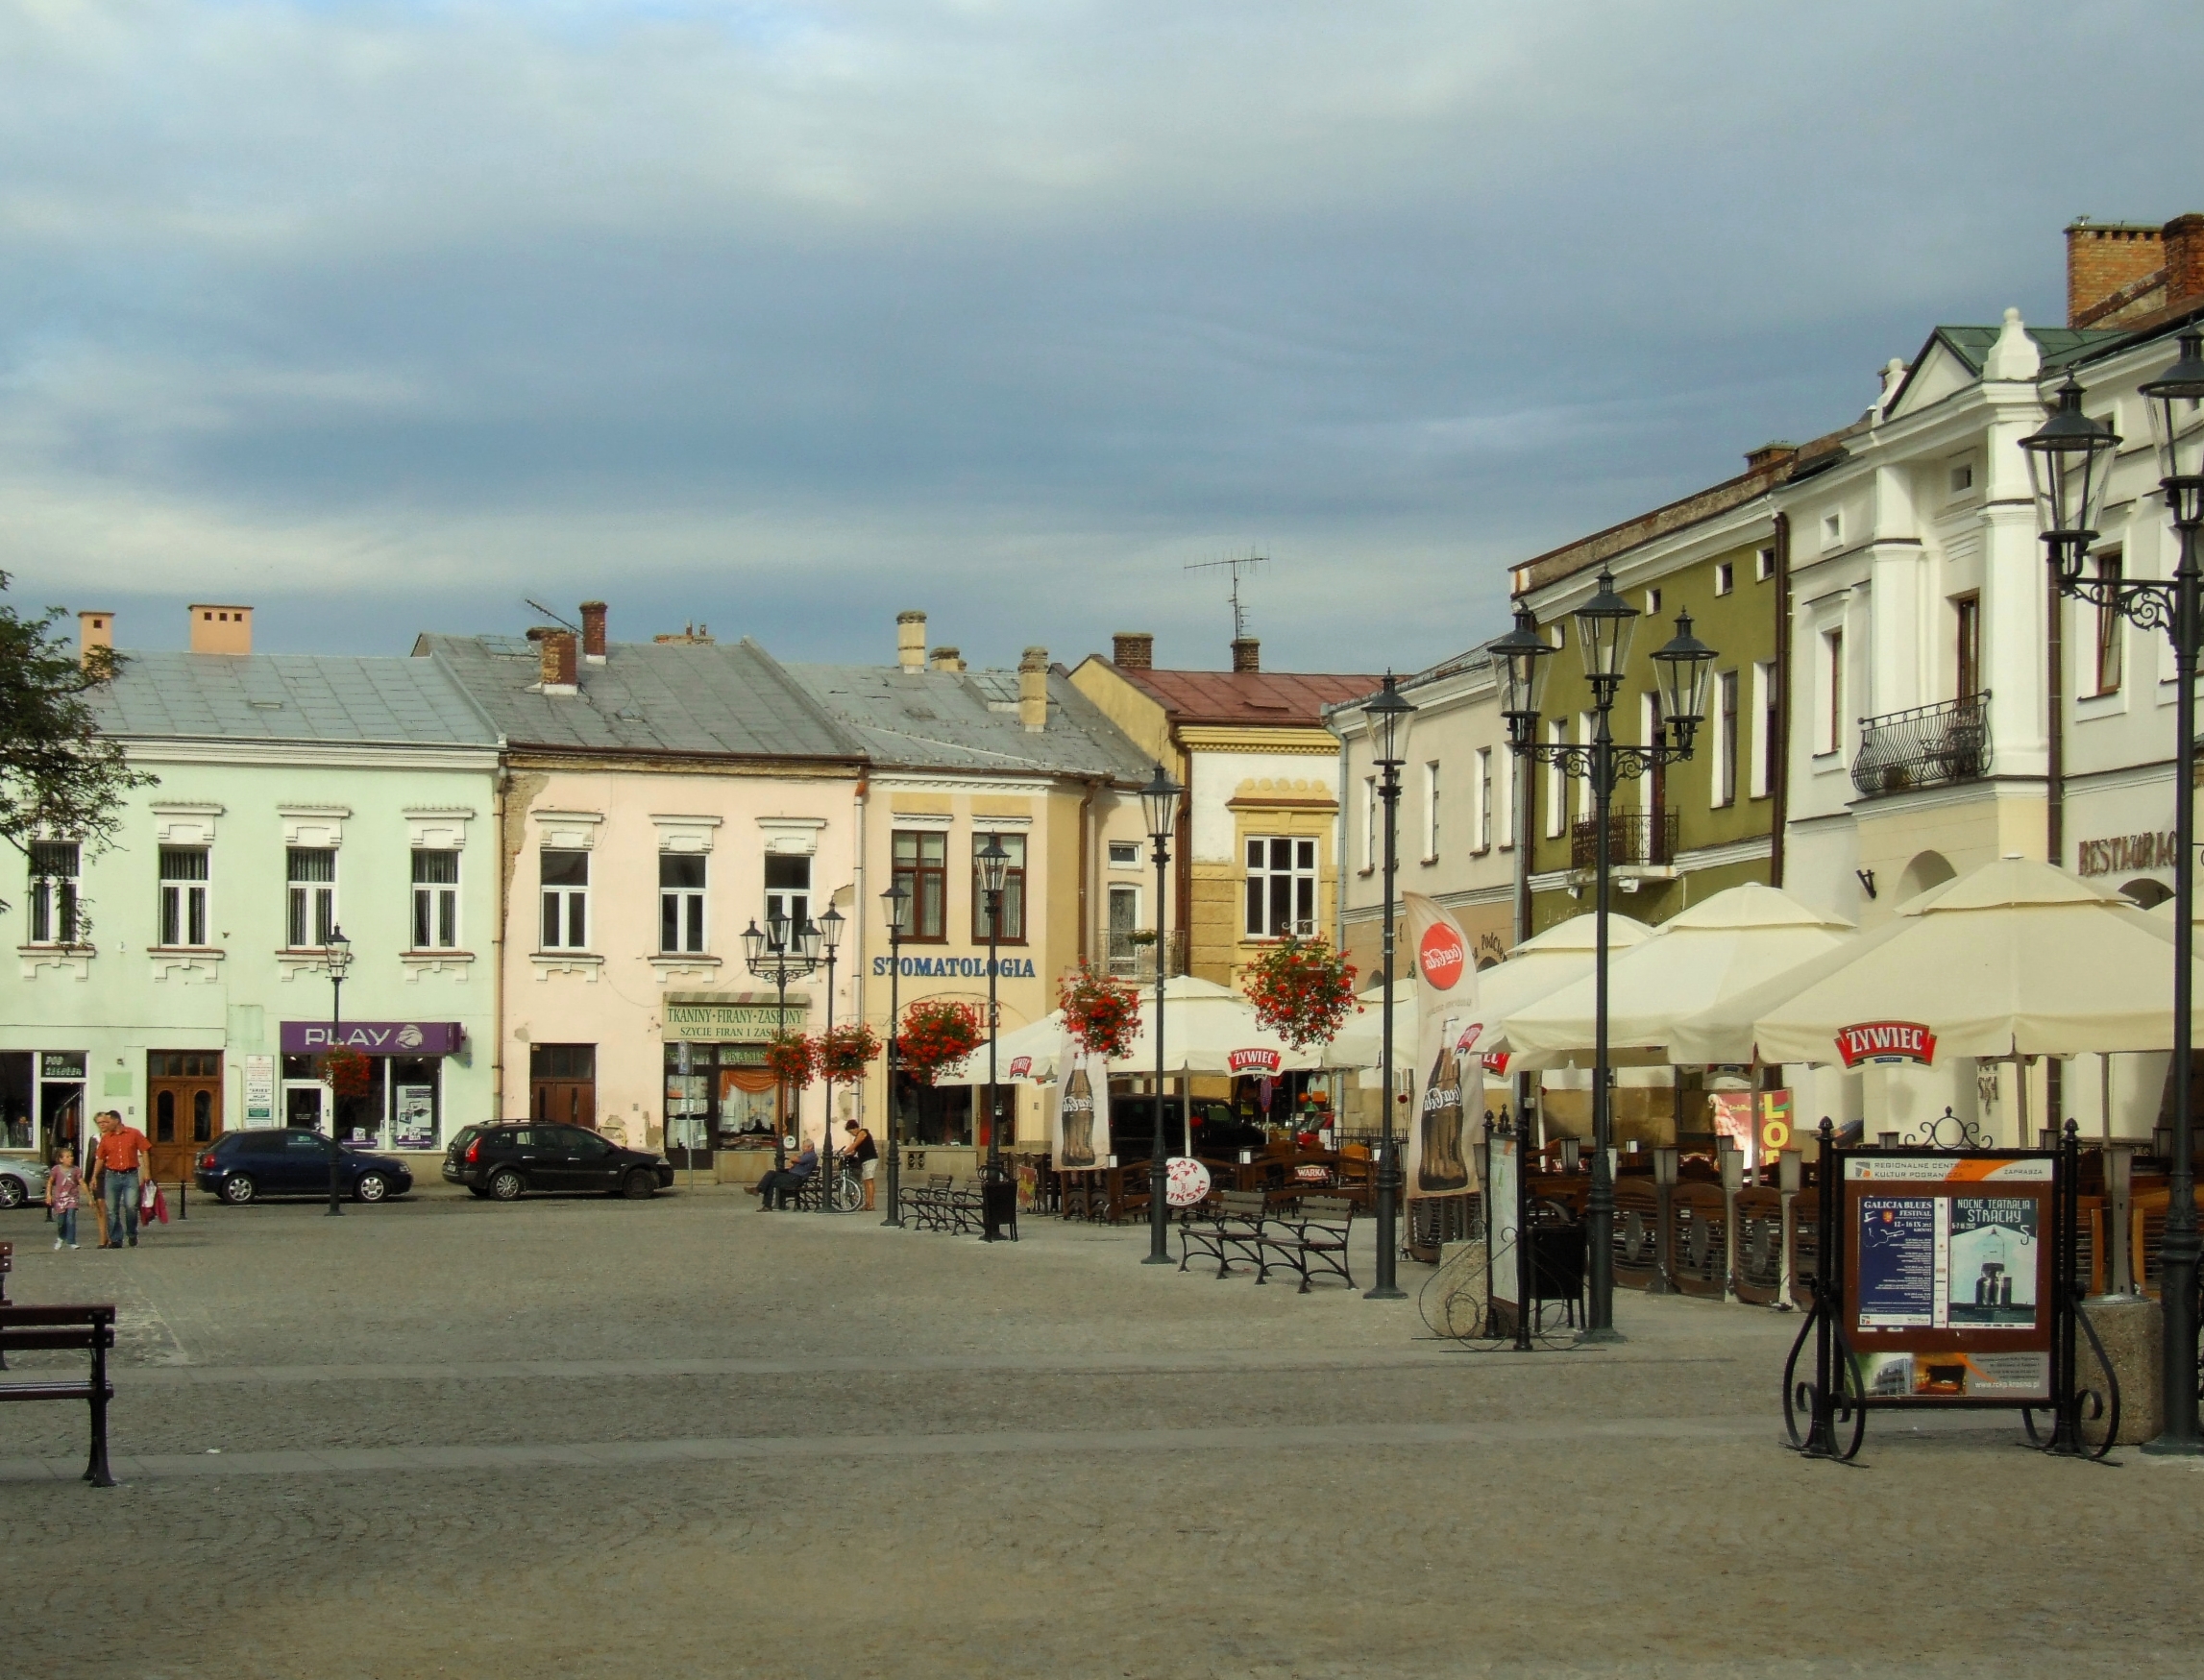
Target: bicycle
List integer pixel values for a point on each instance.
(849, 1192)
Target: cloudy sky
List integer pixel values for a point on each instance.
(784, 316)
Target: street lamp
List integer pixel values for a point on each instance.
(1686, 667)
(1159, 809)
(897, 902)
(2070, 460)
(1387, 713)
(336, 962)
(830, 929)
(782, 952)
(994, 862)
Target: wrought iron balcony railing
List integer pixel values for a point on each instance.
(1636, 839)
(1134, 959)
(1924, 746)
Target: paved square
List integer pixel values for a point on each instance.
(598, 1438)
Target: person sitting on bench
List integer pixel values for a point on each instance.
(784, 1184)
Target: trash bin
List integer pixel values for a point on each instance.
(998, 1207)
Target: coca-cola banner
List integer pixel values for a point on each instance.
(1441, 1161)
(1079, 1131)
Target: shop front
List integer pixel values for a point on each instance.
(41, 1101)
(722, 1105)
(392, 1096)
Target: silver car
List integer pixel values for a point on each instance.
(21, 1180)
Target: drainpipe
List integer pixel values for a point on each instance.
(2055, 795)
(498, 786)
(1779, 795)
(1339, 857)
(1086, 866)
(861, 906)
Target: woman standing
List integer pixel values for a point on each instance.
(862, 1149)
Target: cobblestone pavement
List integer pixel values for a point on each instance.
(599, 1438)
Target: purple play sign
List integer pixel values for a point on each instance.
(373, 1037)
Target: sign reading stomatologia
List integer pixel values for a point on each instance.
(1441, 955)
(1886, 1041)
(1253, 1061)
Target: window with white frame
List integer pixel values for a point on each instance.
(1724, 577)
(1013, 929)
(788, 888)
(53, 867)
(566, 900)
(1581, 793)
(1281, 886)
(1508, 801)
(310, 876)
(1832, 529)
(1726, 738)
(1482, 839)
(1764, 721)
(1124, 923)
(1124, 854)
(435, 900)
(184, 883)
(681, 902)
(1370, 858)
(1763, 565)
(2109, 636)
(1430, 808)
(1556, 783)
(1831, 733)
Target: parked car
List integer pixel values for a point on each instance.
(501, 1162)
(288, 1161)
(22, 1181)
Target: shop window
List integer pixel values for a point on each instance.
(54, 865)
(566, 900)
(1013, 929)
(923, 865)
(312, 871)
(1281, 887)
(184, 880)
(788, 888)
(435, 900)
(416, 1101)
(680, 901)
(16, 1099)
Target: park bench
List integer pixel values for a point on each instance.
(1229, 1223)
(939, 1205)
(86, 1329)
(1314, 1232)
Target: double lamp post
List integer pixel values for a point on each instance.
(785, 950)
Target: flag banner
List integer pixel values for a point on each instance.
(1447, 1028)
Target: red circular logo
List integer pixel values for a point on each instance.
(1441, 955)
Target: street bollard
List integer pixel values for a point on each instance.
(183, 1199)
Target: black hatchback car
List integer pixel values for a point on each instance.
(284, 1160)
(501, 1162)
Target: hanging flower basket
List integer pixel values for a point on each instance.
(845, 1051)
(1102, 1014)
(793, 1058)
(1303, 990)
(937, 1031)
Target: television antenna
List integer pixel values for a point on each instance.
(552, 616)
(1249, 563)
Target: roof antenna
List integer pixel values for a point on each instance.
(1250, 562)
(552, 616)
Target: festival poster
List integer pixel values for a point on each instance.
(1897, 1241)
(1991, 1270)
(1438, 1161)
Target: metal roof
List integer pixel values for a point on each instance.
(1288, 699)
(968, 720)
(288, 697)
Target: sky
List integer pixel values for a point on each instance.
(782, 317)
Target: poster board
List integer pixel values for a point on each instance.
(1441, 1158)
(1948, 1275)
(1501, 1214)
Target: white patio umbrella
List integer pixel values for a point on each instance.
(1533, 969)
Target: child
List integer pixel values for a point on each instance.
(64, 1189)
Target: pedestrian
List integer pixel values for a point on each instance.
(64, 1189)
(862, 1149)
(90, 1154)
(121, 1151)
(781, 1185)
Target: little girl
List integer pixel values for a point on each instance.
(63, 1189)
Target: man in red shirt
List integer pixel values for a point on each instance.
(121, 1153)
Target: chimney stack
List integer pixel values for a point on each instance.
(220, 629)
(1133, 650)
(1771, 456)
(593, 631)
(2183, 238)
(1246, 654)
(948, 659)
(1033, 690)
(911, 640)
(94, 629)
(2113, 269)
(557, 660)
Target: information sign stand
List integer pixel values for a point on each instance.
(1947, 1280)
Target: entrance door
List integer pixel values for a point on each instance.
(562, 1084)
(304, 1106)
(184, 1091)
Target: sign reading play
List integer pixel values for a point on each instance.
(373, 1037)
(1886, 1041)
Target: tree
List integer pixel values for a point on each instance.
(60, 777)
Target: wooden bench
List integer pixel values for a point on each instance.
(86, 1329)
(1314, 1233)
(1229, 1223)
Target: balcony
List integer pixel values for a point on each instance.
(1637, 840)
(1133, 954)
(1925, 746)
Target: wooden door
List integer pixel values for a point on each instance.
(562, 1084)
(184, 1108)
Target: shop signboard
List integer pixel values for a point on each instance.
(728, 1023)
(372, 1037)
(260, 1090)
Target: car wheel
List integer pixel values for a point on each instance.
(238, 1189)
(640, 1185)
(505, 1185)
(12, 1191)
(371, 1187)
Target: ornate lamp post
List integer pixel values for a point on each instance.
(1686, 667)
(2069, 462)
(336, 962)
(1160, 807)
(783, 952)
(1387, 713)
(830, 927)
(897, 902)
(993, 861)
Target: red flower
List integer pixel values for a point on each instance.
(1302, 990)
(1103, 1014)
(937, 1031)
(844, 1052)
(349, 1073)
(793, 1058)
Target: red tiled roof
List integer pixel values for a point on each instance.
(1291, 698)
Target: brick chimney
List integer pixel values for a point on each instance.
(2183, 239)
(2111, 268)
(1771, 456)
(911, 640)
(94, 629)
(558, 660)
(1246, 654)
(593, 631)
(1133, 650)
(948, 659)
(220, 629)
(1033, 690)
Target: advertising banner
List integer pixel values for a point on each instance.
(1079, 1133)
(1447, 1028)
(1500, 1220)
(372, 1037)
(1759, 1121)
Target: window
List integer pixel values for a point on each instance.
(1764, 768)
(1430, 808)
(1556, 785)
(1508, 801)
(1124, 854)
(681, 901)
(1281, 886)
(1962, 478)
(923, 865)
(1833, 687)
(1652, 604)
(1124, 922)
(1726, 738)
(1370, 858)
(1763, 565)
(566, 900)
(184, 895)
(1012, 928)
(1832, 529)
(2108, 640)
(788, 888)
(312, 871)
(435, 900)
(1967, 648)
(1724, 577)
(54, 867)
(1483, 836)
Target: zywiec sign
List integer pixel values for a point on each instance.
(372, 1037)
(1886, 1041)
(1441, 955)
(1495, 1062)
(1253, 1061)
(1467, 1042)
(1020, 1066)
(2125, 851)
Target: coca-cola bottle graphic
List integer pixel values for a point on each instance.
(1078, 1122)
(1439, 1163)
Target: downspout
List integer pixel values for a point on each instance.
(498, 786)
(1086, 866)
(1779, 795)
(1340, 855)
(2054, 792)
(860, 906)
